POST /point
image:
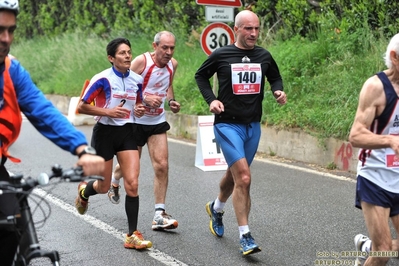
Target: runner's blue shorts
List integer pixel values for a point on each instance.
(369, 192)
(238, 141)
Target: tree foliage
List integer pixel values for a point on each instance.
(102, 17)
(285, 18)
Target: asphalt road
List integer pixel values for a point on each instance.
(298, 216)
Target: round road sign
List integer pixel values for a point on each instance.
(216, 35)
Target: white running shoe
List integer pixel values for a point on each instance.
(113, 194)
(164, 221)
(359, 241)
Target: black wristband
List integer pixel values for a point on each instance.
(173, 99)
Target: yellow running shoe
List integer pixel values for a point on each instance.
(136, 241)
(81, 204)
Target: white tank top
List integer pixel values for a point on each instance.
(156, 81)
(381, 166)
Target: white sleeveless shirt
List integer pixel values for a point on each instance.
(156, 81)
(381, 166)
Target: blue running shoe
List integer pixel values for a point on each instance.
(248, 245)
(216, 222)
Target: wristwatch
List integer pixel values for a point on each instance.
(87, 150)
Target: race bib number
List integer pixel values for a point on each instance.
(153, 111)
(392, 160)
(125, 100)
(246, 78)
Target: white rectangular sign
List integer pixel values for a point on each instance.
(219, 13)
(208, 155)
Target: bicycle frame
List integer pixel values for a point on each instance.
(23, 224)
(29, 247)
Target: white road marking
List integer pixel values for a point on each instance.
(152, 252)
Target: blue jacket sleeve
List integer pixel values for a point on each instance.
(43, 115)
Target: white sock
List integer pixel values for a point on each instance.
(366, 247)
(114, 181)
(243, 229)
(159, 208)
(218, 206)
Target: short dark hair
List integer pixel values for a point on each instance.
(114, 44)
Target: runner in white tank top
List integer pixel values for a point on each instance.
(376, 131)
(381, 166)
(156, 81)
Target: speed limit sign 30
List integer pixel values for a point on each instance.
(216, 35)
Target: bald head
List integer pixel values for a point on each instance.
(244, 16)
(246, 29)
